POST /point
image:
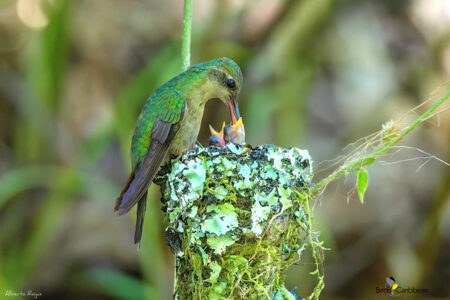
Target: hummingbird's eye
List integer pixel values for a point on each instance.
(231, 83)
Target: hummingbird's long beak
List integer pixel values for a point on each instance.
(234, 110)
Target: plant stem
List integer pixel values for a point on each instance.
(186, 59)
(356, 164)
(186, 39)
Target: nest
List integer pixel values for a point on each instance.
(237, 219)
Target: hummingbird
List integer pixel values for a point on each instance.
(169, 123)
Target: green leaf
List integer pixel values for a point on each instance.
(367, 161)
(115, 284)
(362, 180)
(22, 179)
(47, 55)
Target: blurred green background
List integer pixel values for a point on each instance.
(317, 75)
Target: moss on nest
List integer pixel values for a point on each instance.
(237, 220)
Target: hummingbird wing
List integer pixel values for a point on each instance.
(390, 281)
(164, 129)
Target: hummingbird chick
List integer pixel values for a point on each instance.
(235, 133)
(231, 133)
(216, 138)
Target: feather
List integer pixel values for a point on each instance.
(140, 219)
(163, 134)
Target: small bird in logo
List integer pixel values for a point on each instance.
(392, 283)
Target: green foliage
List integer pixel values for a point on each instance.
(114, 284)
(65, 184)
(46, 74)
(389, 136)
(362, 180)
(38, 106)
(22, 179)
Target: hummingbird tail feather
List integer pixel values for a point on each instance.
(125, 188)
(139, 184)
(140, 219)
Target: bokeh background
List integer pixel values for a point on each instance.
(318, 75)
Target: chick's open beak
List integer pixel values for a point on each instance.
(217, 138)
(235, 133)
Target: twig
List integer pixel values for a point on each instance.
(356, 164)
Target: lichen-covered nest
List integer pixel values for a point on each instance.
(236, 219)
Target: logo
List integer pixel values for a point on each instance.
(21, 294)
(394, 287)
(393, 284)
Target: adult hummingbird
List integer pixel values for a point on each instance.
(169, 124)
